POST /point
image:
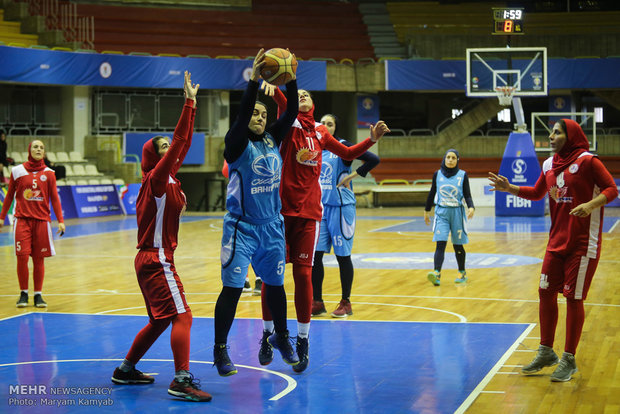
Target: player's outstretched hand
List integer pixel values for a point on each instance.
(257, 66)
(61, 229)
(189, 88)
(378, 130)
(268, 89)
(498, 182)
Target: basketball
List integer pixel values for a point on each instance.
(280, 66)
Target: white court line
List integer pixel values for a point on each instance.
(614, 226)
(485, 381)
(492, 392)
(291, 384)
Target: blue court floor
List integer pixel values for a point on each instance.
(66, 361)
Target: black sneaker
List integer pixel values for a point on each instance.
(23, 300)
(302, 353)
(265, 353)
(258, 285)
(281, 342)
(131, 377)
(39, 302)
(222, 361)
(246, 286)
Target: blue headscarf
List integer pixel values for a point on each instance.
(449, 172)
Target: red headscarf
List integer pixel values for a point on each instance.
(33, 165)
(576, 144)
(150, 157)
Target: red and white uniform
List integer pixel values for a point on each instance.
(32, 191)
(574, 245)
(159, 207)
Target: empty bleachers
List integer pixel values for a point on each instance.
(327, 30)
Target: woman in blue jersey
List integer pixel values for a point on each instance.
(450, 186)
(253, 226)
(338, 223)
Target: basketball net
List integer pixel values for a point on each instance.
(505, 94)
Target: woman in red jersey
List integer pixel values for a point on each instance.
(300, 191)
(579, 186)
(33, 185)
(159, 207)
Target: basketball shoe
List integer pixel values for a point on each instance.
(189, 389)
(566, 369)
(463, 277)
(246, 286)
(343, 310)
(318, 308)
(545, 357)
(302, 354)
(23, 300)
(131, 377)
(258, 285)
(434, 277)
(282, 343)
(265, 353)
(39, 302)
(222, 361)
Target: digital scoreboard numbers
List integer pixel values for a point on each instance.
(508, 21)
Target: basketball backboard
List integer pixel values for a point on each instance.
(524, 68)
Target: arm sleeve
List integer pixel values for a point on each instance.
(188, 142)
(6, 204)
(280, 100)
(344, 152)
(370, 159)
(534, 193)
(604, 180)
(430, 200)
(236, 139)
(159, 176)
(55, 199)
(467, 192)
(280, 128)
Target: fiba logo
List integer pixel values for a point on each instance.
(326, 172)
(368, 104)
(105, 70)
(519, 166)
(266, 165)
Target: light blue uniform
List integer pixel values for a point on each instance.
(338, 222)
(253, 227)
(449, 209)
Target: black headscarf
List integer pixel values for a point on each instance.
(449, 172)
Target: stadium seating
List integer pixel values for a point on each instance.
(342, 33)
(75, 156)
(62, 157)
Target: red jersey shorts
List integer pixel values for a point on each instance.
(302, 235)
(570, 274)
(33, 237)
(160, 284)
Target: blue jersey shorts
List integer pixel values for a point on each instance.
(450, 220)
(261, 245)
(337, 229)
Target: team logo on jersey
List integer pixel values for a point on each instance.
(573, 168)
(307, 156)
(544, 283)
(559, 194)
(326, 175)
(266, 165)
(43, 177)
(32, 195)
(449, 194)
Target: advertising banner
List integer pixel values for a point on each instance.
(128, 194)
(67, 203)
(134, 141)
(96, 200)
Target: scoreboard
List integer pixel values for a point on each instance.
(508, 21)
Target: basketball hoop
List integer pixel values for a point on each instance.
(505, 94)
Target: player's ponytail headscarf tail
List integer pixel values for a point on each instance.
(576, 144)
(33, 165)
(449, 172)
(150, 157)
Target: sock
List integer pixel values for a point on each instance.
(303, 329)
(225, 309)
(126, 366)
(180, 375)
(575, 316)
(548, 316)
(145, 338)
(38, 273)
(265, 308)
(180, 340)
(439, 255)
(303, 292)
(37, 293)
(268, 326)
(346, 275)
(318, 274)
(22, 272)
(459, 253)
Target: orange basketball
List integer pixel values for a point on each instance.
(280, 66)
